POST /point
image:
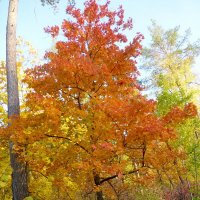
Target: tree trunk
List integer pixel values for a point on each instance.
(19, 173)
(99, 194)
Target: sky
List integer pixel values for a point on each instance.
(33, 17)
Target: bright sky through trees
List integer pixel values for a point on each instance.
(33, 18)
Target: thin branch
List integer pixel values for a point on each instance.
(98, 88)
(114, 176)
(39, 173)
(62, 137)
(143, 154)
(196, 83)
(113, 189)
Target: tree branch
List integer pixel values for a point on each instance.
(114, 176)
(62, 137)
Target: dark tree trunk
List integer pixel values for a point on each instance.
(19, 173)
(99, 194)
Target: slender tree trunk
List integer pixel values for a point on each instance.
(99, 194)
(19, 173)
(196, 163)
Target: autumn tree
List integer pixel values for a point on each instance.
(85, 121)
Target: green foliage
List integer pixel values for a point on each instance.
(167, 100)
(170, 58)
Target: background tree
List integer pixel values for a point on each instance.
(170, 59)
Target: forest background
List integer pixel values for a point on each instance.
(142, 20)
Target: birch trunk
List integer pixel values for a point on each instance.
(19, 173)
